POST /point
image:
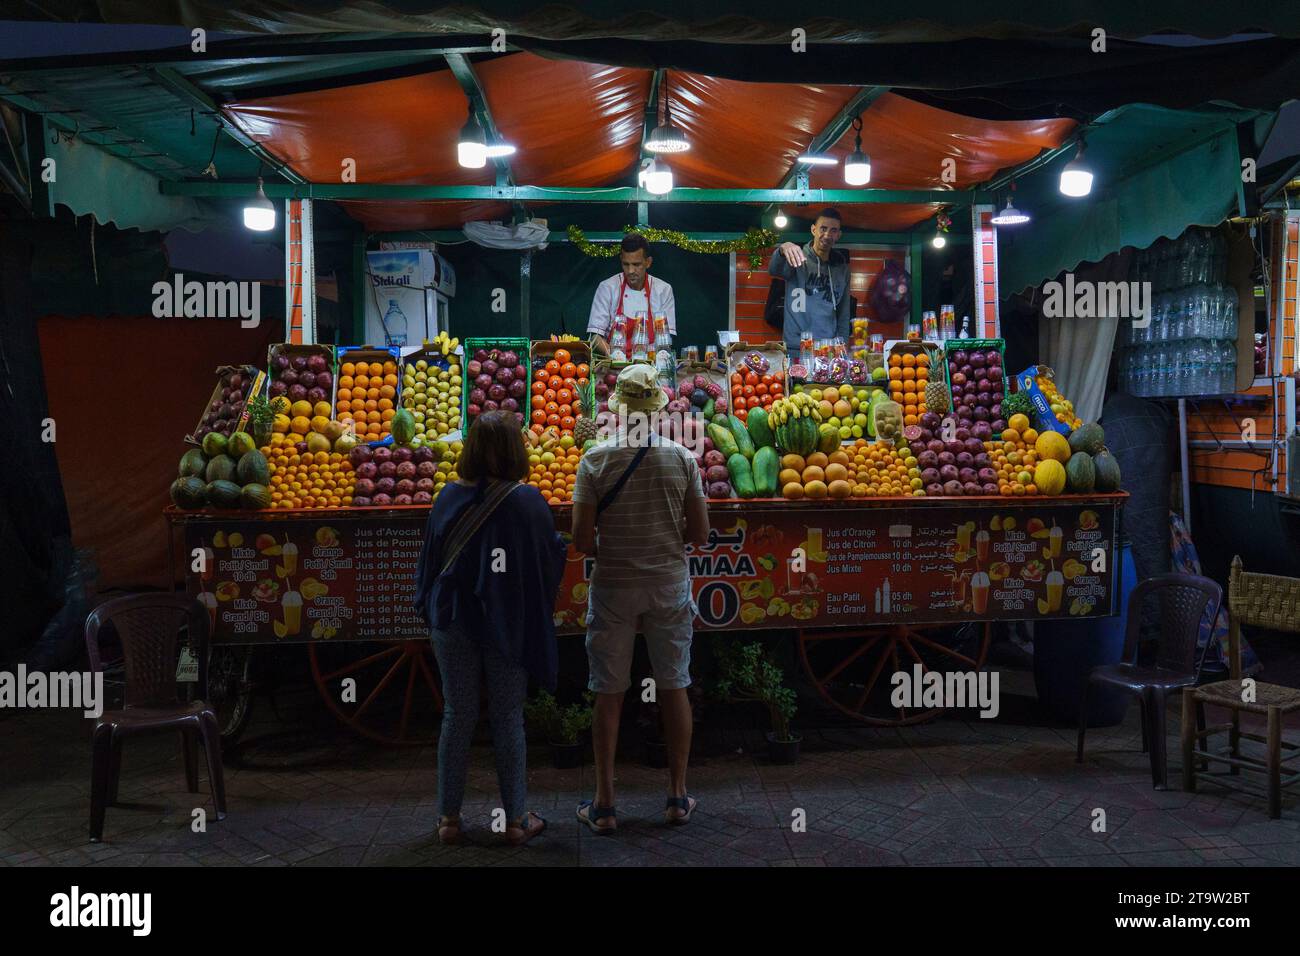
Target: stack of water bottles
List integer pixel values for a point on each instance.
(1190, 345)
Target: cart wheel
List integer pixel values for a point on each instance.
(230, 688)
(851, 669)
(398, 699)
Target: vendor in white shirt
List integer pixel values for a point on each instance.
(631, 293)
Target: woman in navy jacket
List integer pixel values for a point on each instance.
(490, 612)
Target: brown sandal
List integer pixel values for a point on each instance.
(449, 832)
(518, 836)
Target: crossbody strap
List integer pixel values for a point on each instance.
(472, 519)
(608, 498)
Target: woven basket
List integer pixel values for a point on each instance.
(1264, 600)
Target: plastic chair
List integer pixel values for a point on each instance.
(148, 625)
(1185, 600)
(1265, 600)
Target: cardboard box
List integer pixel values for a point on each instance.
(254, 379)
(580, 354)
(354, 354)
(1044, 417)
(777, 357)
(433, 358)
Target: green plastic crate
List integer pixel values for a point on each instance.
(519, 346)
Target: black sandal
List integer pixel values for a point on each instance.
(595, 813)
(687, 804)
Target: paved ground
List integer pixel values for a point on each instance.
(954, 791)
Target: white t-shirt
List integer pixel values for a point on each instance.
(604, 305)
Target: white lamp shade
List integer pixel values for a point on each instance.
(857, 169)
(471, 155)
(666, 138)
(259, 212)
(817, 159)
(1076, 180)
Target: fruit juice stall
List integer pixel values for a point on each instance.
(302, 503)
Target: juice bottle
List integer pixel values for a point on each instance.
(1055, 537)
(289, 553)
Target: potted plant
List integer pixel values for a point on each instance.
(261, 419)
(747, 672)
(563, 726)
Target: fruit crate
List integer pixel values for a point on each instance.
(1044, 417)
(292, 352)
(774, 352)
(433, 358)
(715, 374)
(952, 346)
(896, 387)
(252, 381)
(354, 355)
(580, 355)
(473, 346)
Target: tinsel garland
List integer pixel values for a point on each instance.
(752, 243)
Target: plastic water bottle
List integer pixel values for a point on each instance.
(1230, 309)
(1228, 354)
(395, 325)
(1218, 264)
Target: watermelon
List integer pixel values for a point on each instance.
(239, 445)
(189, 492)
(1080, 473)
(255, 497)
(223, 494)
(798, 436)
(253, 469)
(194, 463)
(220, 468)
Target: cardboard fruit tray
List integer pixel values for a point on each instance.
(255, 381)
(368, 354)
(579, 354)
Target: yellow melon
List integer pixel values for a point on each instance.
(1049, 475)
(813, 473)
(1052, 445)
(840, 489)
(793, 490)
(794, 461)
(787, 476)
(836, 472)
(818, 459)
(815, 489)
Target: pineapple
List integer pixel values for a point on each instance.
(936, 398)
(584, 429)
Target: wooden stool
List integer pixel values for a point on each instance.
(1265, 600)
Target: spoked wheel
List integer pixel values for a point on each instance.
(230, 688)
(852, 669)
(396, 699)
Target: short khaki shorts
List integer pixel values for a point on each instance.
(664, 614)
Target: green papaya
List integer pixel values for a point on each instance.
(1107, 471)
(402, 426)
(723, 440)
(739, 432)
(1080, 473)
(760, 428)
(742, 477)
(766, 466)
(708, 410)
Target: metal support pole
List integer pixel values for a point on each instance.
(1186, 464)
(525, 291)
(35, 129)
(916, 253)
(309, 333)
(360, 287)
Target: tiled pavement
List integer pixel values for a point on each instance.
(953, 791)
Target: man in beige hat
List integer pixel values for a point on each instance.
(638, 501)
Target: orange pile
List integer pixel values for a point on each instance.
(367, 397)
(885, 471)
(751, 390)
(310, 480)
(553, 473)
(557, 393)
(1013, 457)
(908, 376)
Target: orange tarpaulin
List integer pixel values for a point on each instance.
(124, 392)
(580, 124)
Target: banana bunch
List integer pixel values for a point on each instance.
(444, 343)
(793, 407)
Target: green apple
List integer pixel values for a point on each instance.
(856, 431)
(846, 432)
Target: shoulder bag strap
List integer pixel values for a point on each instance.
(472, 520)
(608, 498)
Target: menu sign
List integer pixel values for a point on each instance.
(773, 567)
(351, 576)
(310, 579)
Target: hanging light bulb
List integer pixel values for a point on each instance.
(938, 241)
(665, 137)
(1076, 176)
(471, 149)
(779, 220)
(1010, 216)
(656, 178)
(259, 213)
(857, 168)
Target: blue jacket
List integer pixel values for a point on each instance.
(512, 607)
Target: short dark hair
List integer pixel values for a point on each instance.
(494, 448)
(830, 212)
(634, 242)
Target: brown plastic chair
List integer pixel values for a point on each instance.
(1185, 601)
(148, 625)
(1264, 600)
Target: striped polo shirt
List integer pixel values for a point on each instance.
(640, 536)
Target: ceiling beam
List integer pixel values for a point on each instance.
(860, 102)
(463, 70)
(617, 194)
(457, 235)
(200, 101)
